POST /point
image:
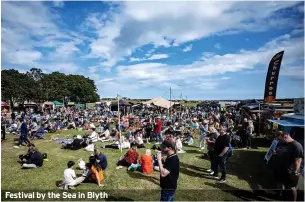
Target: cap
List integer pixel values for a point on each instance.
(168, 143)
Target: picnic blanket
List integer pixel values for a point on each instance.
(63, 140)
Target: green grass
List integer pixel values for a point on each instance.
(247, 174)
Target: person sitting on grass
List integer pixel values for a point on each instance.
(96, 171)
(139, 142)
(188, 139)
(100, 158)
(125, 144)
(93, 137)
(33, 159)
(145, 164)
(179, 145)
(130, 157)
(75, 145)
(70, 179)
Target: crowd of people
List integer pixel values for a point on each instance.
(220, 130)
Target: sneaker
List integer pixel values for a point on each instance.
(212, 173)
(210, 170)
(119, 167)
(221, 181)
(216, 177)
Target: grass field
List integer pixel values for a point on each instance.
(247, 178)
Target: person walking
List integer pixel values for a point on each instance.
(169, 172)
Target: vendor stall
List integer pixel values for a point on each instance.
(58, 104)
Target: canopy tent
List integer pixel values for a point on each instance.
(48, 104)
(58, 104)
(161, 102)
(29, 103)
(71, 103)
(121, 102)
(4, 104)
(90, 105)
(80, 106)
(287, 123)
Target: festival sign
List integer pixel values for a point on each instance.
(272, 77)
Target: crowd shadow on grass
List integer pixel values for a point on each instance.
(193, 171)
(138, 175)
(193, 152)
(244, 195)
(249, 165)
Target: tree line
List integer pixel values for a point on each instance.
(36, 86)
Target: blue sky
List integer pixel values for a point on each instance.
(203, 50)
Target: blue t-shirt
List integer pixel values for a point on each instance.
(102, 161)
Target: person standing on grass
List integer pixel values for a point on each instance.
(203, 132)
(169, 172)
(211, 138)
(158, 129)
(23, 133)
(288, 171)
(221, 148)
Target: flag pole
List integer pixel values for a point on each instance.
(119, 124)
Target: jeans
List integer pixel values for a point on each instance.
(167, 195)
(212, 159)
(159, 137)
(23, 138)
(202, 140)
(220, 162)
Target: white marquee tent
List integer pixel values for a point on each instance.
(160, 102)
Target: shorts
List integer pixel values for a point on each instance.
(288, 180)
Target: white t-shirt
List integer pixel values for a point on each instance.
(107, 133)
(125, 145)
(69, 175)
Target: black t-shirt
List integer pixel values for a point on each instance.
(221, 142)
(36, 158)
(288, 153)
(76, 144)
(171, 164)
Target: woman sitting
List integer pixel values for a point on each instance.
(125, 144)
(145, 164)
(129, 158)
(96, 172)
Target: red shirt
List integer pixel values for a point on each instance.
(158, 127)
(132, 156)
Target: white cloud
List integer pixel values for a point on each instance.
(140, 23)
(160, 73)
(35, 27)
(59, 4)
(217, 45)
(153, 57)
(188, 48)
(157, 57)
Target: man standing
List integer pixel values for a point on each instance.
(169, 172)
(221, 148)
(289, 166)
(158, 129)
